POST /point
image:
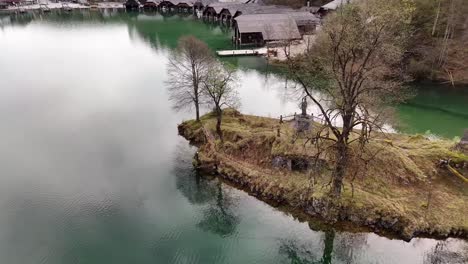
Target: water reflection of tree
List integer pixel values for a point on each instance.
(342, 247)
(196, 188)
(302, 254)
(296, 254)
(328, 241)
(21, 19)
(443, 253)
(218, 217)
(348, 245)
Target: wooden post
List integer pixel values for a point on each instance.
(240, 39)
(235, 36)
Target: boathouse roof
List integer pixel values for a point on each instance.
(265, 9)
(151, 3)
(231, 7)
(204, 2)
(176, 2)
(132, 3)
(276, 9)
(304, 18)
(272, 26)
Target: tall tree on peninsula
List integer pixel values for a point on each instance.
(219, 89)
(187, 68)
(355, 66)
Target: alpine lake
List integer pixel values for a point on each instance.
(93, 171)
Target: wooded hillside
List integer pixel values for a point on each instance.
(439, 47)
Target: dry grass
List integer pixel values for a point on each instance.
(403, 182)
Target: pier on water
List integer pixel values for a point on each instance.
(242, 52)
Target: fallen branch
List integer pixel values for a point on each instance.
(456, 173)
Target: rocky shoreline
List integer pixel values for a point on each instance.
(259, 183)
(395, 226)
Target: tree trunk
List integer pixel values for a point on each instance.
(219, 116)
(197, 109)
(340, 168)
(328, 249)
(447, 35)
(436, 20)
(342, 154)
(196, 91)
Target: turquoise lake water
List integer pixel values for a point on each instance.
(93, 170)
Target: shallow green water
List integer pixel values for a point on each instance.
(440, 110)
(93, 170)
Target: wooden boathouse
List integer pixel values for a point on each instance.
(170, 5)
(178, 5)
(132, 5)
(254, 24)
(258, 29)
(150, 5)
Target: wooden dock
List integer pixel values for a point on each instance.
(243, 52)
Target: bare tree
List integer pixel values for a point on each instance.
(219, 89)
(187, 69)
(355, 64)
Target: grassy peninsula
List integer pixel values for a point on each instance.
(404, 190)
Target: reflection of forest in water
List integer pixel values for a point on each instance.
(340, 248)
(353, 248)
(214, 221)
(447, 252)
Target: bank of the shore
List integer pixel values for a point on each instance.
(404, 193)
(59, 6)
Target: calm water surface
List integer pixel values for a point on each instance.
(93, 170)
(440, 110)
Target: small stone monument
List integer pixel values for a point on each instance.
(464, 140)
(303, 121)
(304, 106)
